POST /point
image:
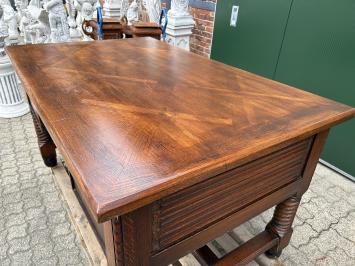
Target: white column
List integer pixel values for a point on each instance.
(180, 24)
(112, 8)
(12, 103)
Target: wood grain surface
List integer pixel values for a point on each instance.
(137, 120)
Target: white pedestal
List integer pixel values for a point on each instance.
(178, 30)
(112, 9)
(12, 103)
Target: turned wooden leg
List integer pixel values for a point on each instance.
(281, 224)
(45, 142)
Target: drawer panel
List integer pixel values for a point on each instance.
(195, 208)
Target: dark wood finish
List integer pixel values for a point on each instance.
(118, 240)
(144, 137)
(137, 236)
(188, 211)
(45, 142)
(249, 250)
(97, 227)
(281, 224)
(142, 29)
(313, 158)
(112, 29)
(205, 256)
(149, 128)
(196, 241)
(109, 242)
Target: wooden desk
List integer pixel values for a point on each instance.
(112, 28)
(170, 154)
(142, 29)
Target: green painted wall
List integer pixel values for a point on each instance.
(309, 44)
(255, 43)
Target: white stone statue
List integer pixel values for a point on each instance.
(154, 8)
(25, 21)
(57, 20)
(74, 31)
(40, 31)
(86, 11)
(180, 7)
(10, 19)
(133, 12)
(38, 27)
(21, 6)
(124, 8)
(3, 33)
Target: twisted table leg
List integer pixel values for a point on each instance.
(45, 142)
(281, 224)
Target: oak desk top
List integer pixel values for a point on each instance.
(138, 119)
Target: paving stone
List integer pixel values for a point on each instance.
(38, 223)
(340, 208)
(15, 219)
(3, 250)
(346, 227)
(35, 212)
(22, 258)
(42, 251)
(61, 230)
(31, 210)
(16, 231)
(312, 253)
(41, 237)
(303, 214)
(5, 262)
(322, 221)
(302, 235)
(71, 256)
(57, 217)
(49, 261)
(291, 256)
(339, 257)
(19, 244)
(64, 242)
(330, 240)
(10, 188)
(11, 198)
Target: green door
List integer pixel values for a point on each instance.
(318, 55)
(254, 44)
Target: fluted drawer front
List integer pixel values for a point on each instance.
(190, 210)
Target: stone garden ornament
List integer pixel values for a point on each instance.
(57, 20)
(10, 19)
(154, 8)
(133, 13)
(180, 24)
(85, 11)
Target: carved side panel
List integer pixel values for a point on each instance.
(117, 240)
(187, 212)
(137, 236)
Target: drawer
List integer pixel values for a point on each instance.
(189, 211)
